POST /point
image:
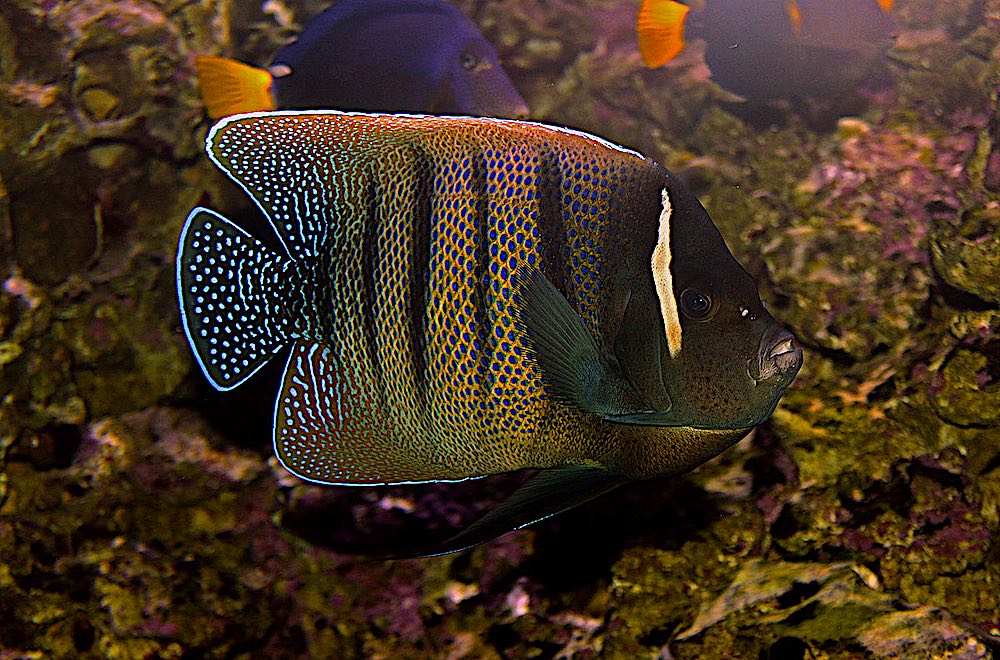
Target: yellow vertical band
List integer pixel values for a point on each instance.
(663, 279)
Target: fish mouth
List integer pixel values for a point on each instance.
(779, 357)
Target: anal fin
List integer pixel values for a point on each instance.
(548, 493)
(331, 427)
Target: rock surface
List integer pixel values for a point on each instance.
(142, 515)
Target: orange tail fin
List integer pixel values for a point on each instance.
(795, 16)
(229, 87)
(660, 27)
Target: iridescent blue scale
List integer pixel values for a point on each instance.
(467, 296)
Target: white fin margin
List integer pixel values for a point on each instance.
(225, 121)
(663, 279)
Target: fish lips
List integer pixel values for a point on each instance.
(779, 358)
(776, 364)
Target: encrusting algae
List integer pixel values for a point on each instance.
(143, 517)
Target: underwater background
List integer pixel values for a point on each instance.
(144, 516)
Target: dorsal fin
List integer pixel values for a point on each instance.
(301, 167)
(283, 165)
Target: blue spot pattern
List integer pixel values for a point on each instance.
(402, 239)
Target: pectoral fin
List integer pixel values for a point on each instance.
(548, 493)
(574, 365)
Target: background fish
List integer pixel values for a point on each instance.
(421, 56)
(766, 49)
(465, 297)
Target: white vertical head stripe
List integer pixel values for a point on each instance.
(663, 280)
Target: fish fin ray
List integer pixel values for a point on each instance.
(305, 168)
(548, 493)
(224, 278)
(328, 430)
(296, 167)
(229, 87)
(577, 369)
(660, 30)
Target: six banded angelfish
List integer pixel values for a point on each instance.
(468, 296)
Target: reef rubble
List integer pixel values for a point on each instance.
(143, 516)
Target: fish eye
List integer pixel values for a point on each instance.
(469, 61)
(695, 304)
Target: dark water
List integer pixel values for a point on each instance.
(144, 515)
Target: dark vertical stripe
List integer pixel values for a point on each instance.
(420, 256)
(550, 220)
(481, 289)
(369, 294)
(614, 236)
(317, 294)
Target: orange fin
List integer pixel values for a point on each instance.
(229, 87)
(886, 5)
(795, 16)
(660, 27)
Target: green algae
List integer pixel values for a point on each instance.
(926, 631)
(966, 252)
(967, 396)
(649, 594)
(778, 593)
(862, 518)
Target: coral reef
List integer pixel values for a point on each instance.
(142, 515)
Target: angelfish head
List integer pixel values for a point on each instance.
(712, 356)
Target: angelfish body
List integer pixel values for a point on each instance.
(467, 296)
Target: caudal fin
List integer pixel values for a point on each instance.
(660, 29)
(227, 283)
(229, 87)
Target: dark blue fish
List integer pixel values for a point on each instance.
(422, 56)
(767, 49)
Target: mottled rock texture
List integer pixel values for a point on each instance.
(142, 515)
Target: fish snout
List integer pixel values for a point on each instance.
(504, 108)
(778, 356)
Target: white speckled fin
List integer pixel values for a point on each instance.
(224, 282)
(298, 165)
(294, 170)
(328, 430)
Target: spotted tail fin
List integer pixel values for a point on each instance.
(227, 284)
